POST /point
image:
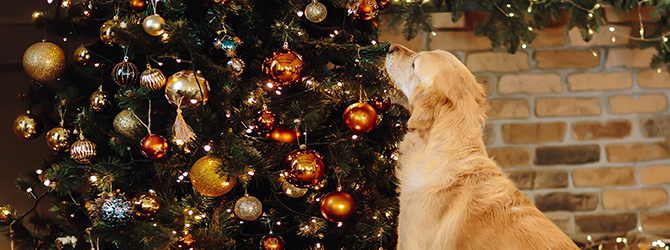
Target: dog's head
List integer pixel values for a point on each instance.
(434, 82)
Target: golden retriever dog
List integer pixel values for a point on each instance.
(452, 195)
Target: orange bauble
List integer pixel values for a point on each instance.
(304, 167)
(284, 66)
(272, 242)
(368, 10)
(338, 206)
(154, 146)
(360, 117)
(138, 5)
(285, 134)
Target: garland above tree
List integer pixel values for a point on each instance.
(513, 23)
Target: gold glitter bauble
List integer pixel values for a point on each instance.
(284, 66)
(146, 204)
(107, 30)
(337, 206)
(126, 124)
(125, 73)
(99, 100)
(193, 87)
(315, 12)
(248, 208)
(82, 151)
(27, 127)
(360, 117)
(290, 190)
(44, 61)
(304, 167)
(152, 78)
(272, 242)
(58, 138)
(154, 25)
(81, 55)
(206, 179)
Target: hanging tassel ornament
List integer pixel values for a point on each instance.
(183, 133)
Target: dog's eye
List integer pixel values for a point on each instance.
(412, 65)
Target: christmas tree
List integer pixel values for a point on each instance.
(210, 124)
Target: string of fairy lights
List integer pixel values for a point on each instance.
(590, 13)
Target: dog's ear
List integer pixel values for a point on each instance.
(427, 102)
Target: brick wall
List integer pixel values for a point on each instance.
(580, 127)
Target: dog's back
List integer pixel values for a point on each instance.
(452, 195)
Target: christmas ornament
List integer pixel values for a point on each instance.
(146, 204)
(185, 242)
(272, 242)
(114, 209)
(248, 208)
(206, 179)
(154, 146)
(236, 65)
(266, 121)
(383, 4)
(138, 5)
(126, 124)
(125, 73)
(315, 12)
(380, 104)
(360, 117)
(367, 10)
(82, 151)
(182, 132)
(152, 78)
(337, 206)
(227, 43)
(58, 138)
(108, 30)
(291, 190)
(154, 25)
(99, 100)
(44, 61)
(81, 55)
(304, 167)
(284, 66)
(194, 88)
(27, 127)
(285, 134)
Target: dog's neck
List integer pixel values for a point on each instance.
(455, 131)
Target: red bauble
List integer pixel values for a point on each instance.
(380, 104)
(138, 5)
(304, 167)
(154, 146)
(272, 242)
(338, 206)
(266, 121)
(360, 117)
(367, 10)
(383, 4)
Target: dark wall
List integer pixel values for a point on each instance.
(17, 155)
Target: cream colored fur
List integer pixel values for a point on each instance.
(452, 195)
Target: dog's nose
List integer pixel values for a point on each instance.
(394, 48)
